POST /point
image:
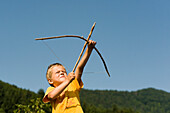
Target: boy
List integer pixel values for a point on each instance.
(64, 93)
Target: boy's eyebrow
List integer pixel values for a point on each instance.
(60, 70)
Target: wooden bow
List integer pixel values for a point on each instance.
(84, 47)
(80, 37)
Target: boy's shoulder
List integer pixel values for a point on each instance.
(50, 88)
(76, 84)
(45, 98)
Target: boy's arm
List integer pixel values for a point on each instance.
(59, 89)
(84, 59)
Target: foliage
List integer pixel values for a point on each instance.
(148, 100)
(41, 93)
(145, 100)
(1, 110)
(89, 108)
(35, 106)
(11, 95)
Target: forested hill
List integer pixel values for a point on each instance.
(148, 100)
(11, 95)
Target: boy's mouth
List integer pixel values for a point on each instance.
(61, 76)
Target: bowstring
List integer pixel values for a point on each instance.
(93, 72)
(55, 55)
(62, 61)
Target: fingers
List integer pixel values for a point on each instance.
(71, 76)
(92, 43)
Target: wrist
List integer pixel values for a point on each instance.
(89, 49)
(68, 81)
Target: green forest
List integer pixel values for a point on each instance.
(150, 100)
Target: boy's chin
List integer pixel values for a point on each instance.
(62, 79)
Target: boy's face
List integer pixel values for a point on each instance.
(58, 75)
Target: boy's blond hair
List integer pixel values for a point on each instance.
(49, 73)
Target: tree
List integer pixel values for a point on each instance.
(41, 93)
(35, 106)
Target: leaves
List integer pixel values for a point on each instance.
(147, 100)
(35, 106)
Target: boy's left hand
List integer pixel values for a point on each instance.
(91, 44)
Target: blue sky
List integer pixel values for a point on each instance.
(133, 37)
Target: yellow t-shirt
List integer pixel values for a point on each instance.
(67, 102)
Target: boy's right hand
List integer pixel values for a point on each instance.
(71, 76)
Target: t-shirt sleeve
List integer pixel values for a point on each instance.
(77, 84)
(45, 98)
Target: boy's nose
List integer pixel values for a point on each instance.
(61, 72)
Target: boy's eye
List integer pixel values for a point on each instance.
(60, 71)
(64, 71)
(57, 72)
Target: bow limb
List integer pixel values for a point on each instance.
(63, 36)
(76, 36)
(104, 63)
(84, 47)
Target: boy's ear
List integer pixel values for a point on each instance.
(50, 81)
